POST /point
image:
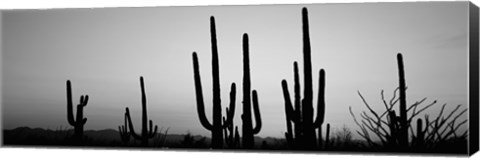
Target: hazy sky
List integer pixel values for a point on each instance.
(105, 51)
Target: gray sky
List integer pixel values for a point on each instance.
(104, 51)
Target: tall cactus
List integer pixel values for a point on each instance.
(147, 133)
(247, 128)
(79, 122)
(398, 137)
(216, 127)
(403, 133)
(305, 125)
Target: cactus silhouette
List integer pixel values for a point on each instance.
(302, 115)
(418, 141)
(123, 130)
(216, 127)
(79, 122)
(323, 143)
(327, 137)
(403, 131)
(146, 133)
(399, 124)
(247, 129)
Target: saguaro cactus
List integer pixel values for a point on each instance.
(248, 130)
(216, 127)
(403, 140)
(79, 122)
(305, 125)
(146, 133)
(123, 130)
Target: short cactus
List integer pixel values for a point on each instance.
(79, 122)
(123, 130)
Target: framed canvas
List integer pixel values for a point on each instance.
(357, 78)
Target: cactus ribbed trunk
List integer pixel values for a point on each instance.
(247, 126)
(307, 103)
(403, 104)
(247, 137)
(217, 135)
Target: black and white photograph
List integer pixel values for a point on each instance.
(386, 77)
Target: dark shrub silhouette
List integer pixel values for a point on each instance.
(393, 131)
(160, 139)
(216, 126)
(248, 130)
(301, 115)
(80, 121)
(190, 142)
(146, 133)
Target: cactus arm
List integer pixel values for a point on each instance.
(321, 99)
(297, 111)
(231, 110)
(84, 101)
(199, 94)
(130, 125)
(256, 112)
(151, 132)
(70, 117)
(289, 112)
(288, 103)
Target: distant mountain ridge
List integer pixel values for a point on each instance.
(105, 137)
